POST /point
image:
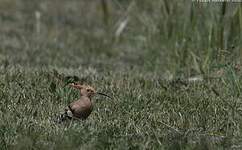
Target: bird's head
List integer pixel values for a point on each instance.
(86, 90)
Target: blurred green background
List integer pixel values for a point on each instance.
(160, 35)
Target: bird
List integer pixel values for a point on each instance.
(81, 108)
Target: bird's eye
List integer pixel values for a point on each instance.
(88, 90)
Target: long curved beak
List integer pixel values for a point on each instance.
(104, 95)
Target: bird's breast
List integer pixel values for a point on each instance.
(82, 108)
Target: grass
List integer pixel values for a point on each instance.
(146, 67)
(143, 115)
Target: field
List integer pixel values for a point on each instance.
(172, 68)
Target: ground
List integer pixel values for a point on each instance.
(172, 68)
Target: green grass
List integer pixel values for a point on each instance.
(145, 68)
(142, 115)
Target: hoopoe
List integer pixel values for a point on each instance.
(82, 108)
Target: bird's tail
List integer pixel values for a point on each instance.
(67, 115)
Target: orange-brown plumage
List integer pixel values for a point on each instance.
(81, 108)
